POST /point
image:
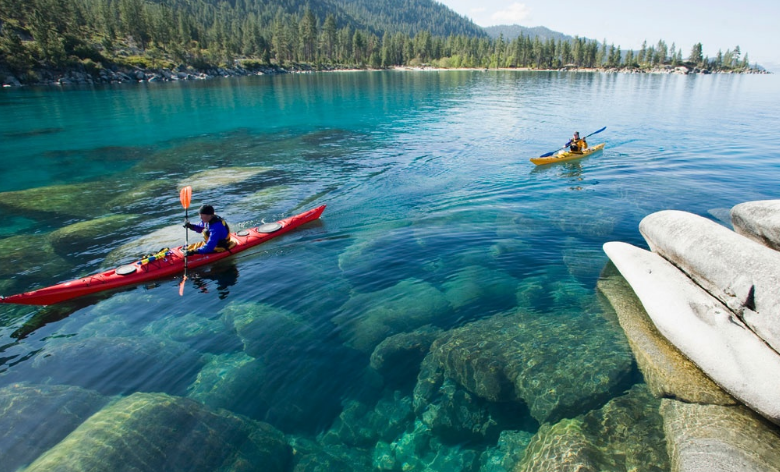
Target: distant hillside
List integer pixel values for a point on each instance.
(511, 32)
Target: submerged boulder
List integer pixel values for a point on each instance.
(82, 200)
(478, 285)
(398, 357)
(154, 432)
(739, 272)
(30, 255)
(759, 221)
(668, 373)
(368, 318)
(703, 438)
(625, 435)
(34, 418)
(231, 381)
(170, 236)
(560, 366)
(218, 178)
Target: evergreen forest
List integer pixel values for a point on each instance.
(88, 35)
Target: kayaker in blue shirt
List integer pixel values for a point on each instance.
(215, 230)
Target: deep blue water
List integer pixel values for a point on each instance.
(426, 176)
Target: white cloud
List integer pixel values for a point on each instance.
(516, 13)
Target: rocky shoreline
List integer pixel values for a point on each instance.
(118, 75)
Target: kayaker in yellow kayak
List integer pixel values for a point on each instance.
(576, 144)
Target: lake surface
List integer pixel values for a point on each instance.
(437, 225)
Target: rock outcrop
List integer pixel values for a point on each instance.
(759, 221)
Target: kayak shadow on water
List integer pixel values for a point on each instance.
(223, 273)
(571, 171)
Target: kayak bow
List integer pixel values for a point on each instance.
(169, 263)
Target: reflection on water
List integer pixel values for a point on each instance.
(442, 315)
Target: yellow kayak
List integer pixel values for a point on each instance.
(567, 155)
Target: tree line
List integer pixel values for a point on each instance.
(92, 34)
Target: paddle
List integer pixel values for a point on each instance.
(185, 196)
(588, 136)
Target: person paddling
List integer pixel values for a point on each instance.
(215, 231)
(577, 144)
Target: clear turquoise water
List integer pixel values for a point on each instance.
(426, 177)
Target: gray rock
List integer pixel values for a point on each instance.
(154, 432)
(560, 366)
(509, 451)
(712, 438)
(668, 373)
(398, 357)
(703, 329)
(625, 435)
(741, 273)
(759, 221)
(34, 418)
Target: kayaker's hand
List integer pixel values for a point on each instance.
(189, 253)
(187, 225)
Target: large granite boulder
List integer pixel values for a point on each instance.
(705, 438)
(668, 373)
(199, 332)
(739, 272)
(625, 435)
(360, 426)
(703, 329)
(154, 432)
(219, 178)
(560, 366)
(34, 418)
(759, 221)
(368, 318)
(508, 451)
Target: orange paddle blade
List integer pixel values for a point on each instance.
(185, 196)
(181, 286)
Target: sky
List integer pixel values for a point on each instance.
(717, 24)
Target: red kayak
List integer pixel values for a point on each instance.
(160, 265)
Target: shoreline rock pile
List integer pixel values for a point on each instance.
(711, 294)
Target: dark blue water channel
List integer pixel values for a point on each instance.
(437, 228)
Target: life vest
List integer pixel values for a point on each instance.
(224, 243)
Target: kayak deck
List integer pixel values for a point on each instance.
(170, 263)
(567, 155)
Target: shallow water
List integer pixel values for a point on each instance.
(435, 217)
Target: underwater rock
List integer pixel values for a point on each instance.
(739, 272)
(360, 426)
(704, 438)
(200, 333)
(221, 177)
(82, 200)
(29, 253)
(478, 285)
(262, 199)
(457, 416)
(703, 329)
(305, 377)
(308, 456)
(625, 435)
(419, 450)
(231, 381)
(508, 452)
(154, 432)
(398, 357)
(114, 365)
(92, 234)
(560, 366)
(668, 373)
(269, 333)
(363, 255)
(759, 221)
(583, 261)
(34, 418)
(368, 318)
(142, 197)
